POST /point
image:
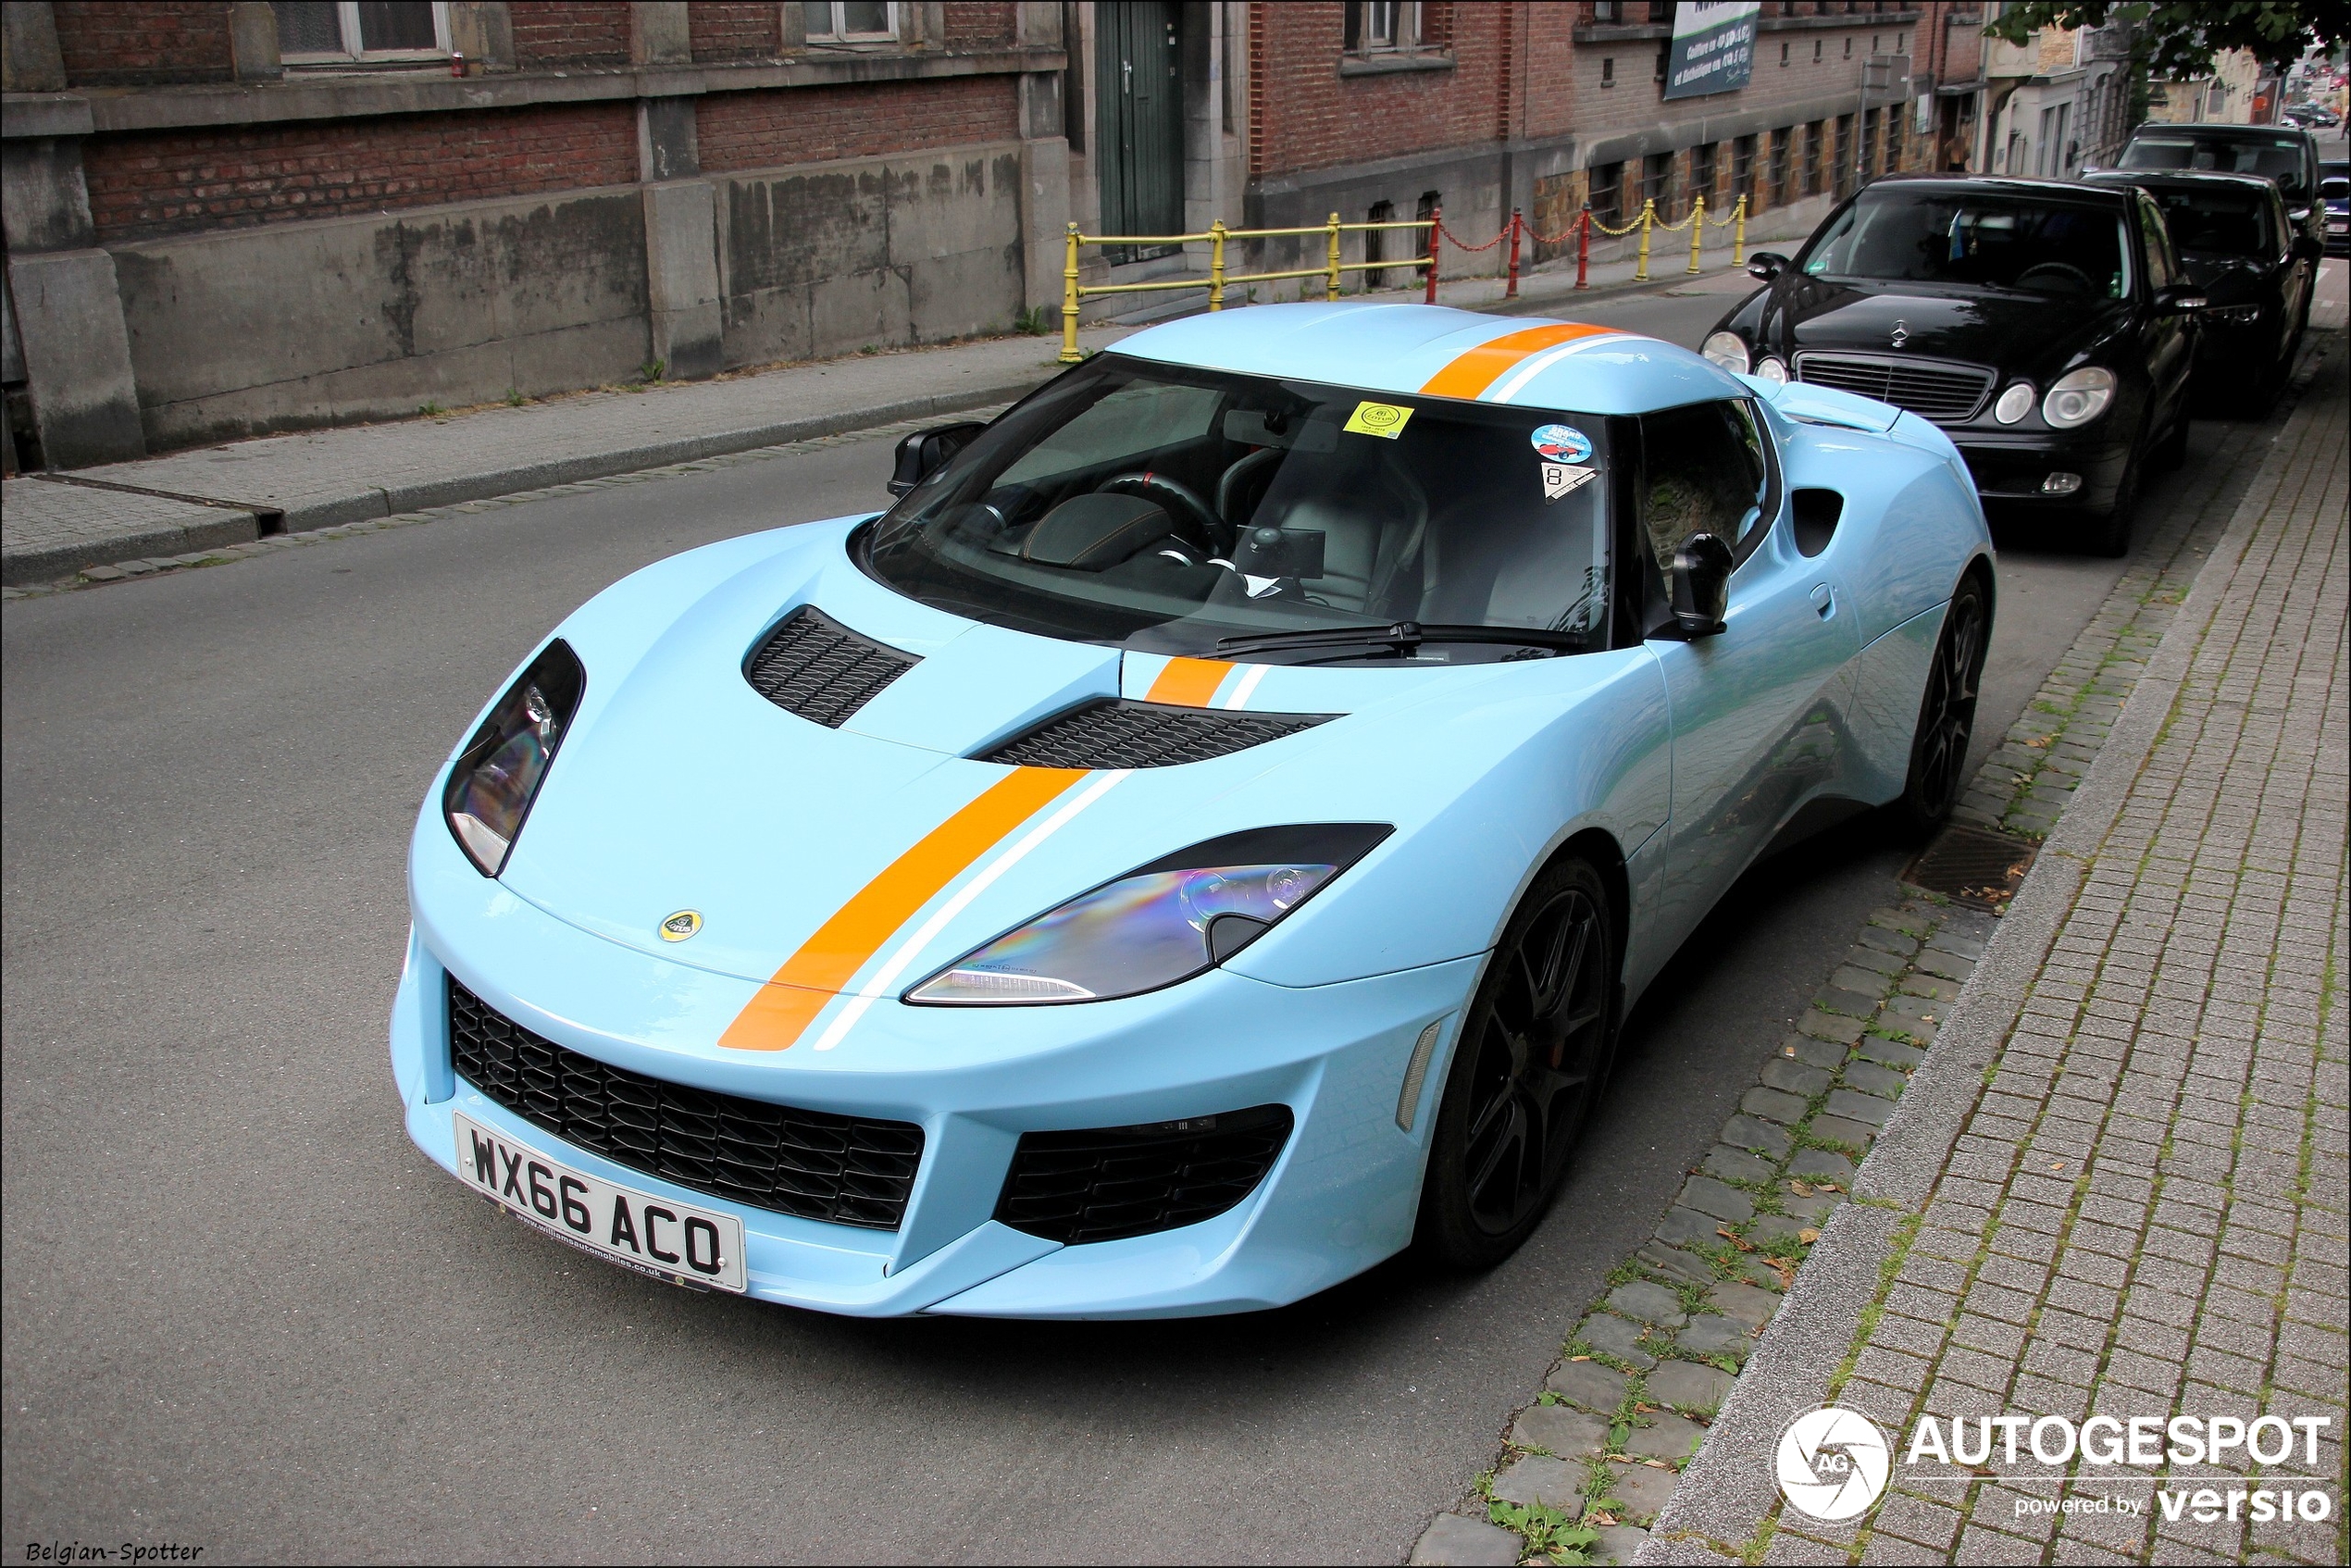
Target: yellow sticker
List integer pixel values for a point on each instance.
(1378, 419)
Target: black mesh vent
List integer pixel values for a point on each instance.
(1124, 734)
(1933, 390)
(1112, 1182)
(812, 666)
(847, 1170)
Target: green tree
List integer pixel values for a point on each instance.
(2176, 39)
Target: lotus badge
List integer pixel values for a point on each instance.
(680, 926)
(1901, 333)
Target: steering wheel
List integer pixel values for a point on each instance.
(2064, 269)
(1196, 524)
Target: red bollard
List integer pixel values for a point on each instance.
(1436, 228)
(1517, 223)
(1584, 249)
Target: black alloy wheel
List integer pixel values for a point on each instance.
(1530, 1064)
(1947, 713)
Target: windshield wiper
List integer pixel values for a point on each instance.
(1403, 637)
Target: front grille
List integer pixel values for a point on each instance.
(1112, 1182)
(1128, 734)
(846, 1170)
(812, 666)
(1933, 390)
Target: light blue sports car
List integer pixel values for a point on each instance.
(1199, 841)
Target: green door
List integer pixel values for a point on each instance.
(1139, 131)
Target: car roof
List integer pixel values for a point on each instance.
(2005, 185)
(1424, 350)
(2157, 129)
(2187, 177)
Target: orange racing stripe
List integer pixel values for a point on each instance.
(827, 962)
(1188, 683)
(1473, 372)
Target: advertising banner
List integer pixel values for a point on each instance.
(1713, 48)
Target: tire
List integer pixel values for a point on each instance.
(1532, 1060)
(2110, 529)
(1947, 713)
(2173, 450)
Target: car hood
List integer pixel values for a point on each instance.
(2017, 333)
(679, 787)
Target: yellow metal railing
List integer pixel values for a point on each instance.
(1218, 279)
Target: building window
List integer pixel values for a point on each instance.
(1869, 142)
(1376, 244)
(1743, 169)
(851, 21)
(1607, 200)
(1813, 139)
(1778, 190)
(1607, 11)
(1816, 51)
(322, 32)
(1376, 27)
(1782, 54)
(1848, 46)
(1894, 141)
(1657, 181)
(1841, 174)
(1703, 160)
(1608, 72)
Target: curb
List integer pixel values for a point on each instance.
(1727, 1495)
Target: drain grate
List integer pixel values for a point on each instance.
(1973, 866)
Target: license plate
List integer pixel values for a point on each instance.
(678, 1242)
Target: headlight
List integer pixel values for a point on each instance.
(2014, 404)
(502, 767)
(2078, 397)
(1158, 923)
(1728, 350)
(1770, 370)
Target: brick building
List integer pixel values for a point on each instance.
(225, 217)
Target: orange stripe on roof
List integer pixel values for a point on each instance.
(1483, 366)
(827, 962)
(1188, 683)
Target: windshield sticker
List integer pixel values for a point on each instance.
(1562, 443)
(1559, 480)
(1378, 419)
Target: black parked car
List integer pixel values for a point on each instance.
(2286, 154)
(2044, 324)
(2256, 272)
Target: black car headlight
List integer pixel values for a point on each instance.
(498, 774)
(1158, 923)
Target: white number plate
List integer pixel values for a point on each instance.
(660, 1237)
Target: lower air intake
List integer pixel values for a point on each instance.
(845, 1170)
(1108, 1183)
(1129, 734)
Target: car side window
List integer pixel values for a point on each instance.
(1705, 470)
(2163, 270)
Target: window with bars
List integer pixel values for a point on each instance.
(1703, 164)
(1607, 199)
(1893, 128)
(1870, 123)
(1841, 177)
(321, 31)
(1743, 170)
(1657, 181)
(1813, 137)
(849, 21)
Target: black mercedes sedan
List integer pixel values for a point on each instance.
(2045, 325)
(2257, 270)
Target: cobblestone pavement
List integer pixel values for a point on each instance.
(1651, 1366)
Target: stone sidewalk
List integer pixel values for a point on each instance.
(2118, 1186)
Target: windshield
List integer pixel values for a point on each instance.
(2221, 222)
(1972, 238)
(2277, 157)
(1165, 508)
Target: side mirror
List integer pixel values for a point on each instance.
(2307, 248)
(2180, 298)
(1766, 265)
(1701, 584)
(924, 452)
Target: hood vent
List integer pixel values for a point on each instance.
(1129, 734)
(812, 666)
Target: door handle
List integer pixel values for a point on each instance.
(1824, 600)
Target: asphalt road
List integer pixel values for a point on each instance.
(241, 1311)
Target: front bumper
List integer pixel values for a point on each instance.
(1342, 1196)
(2014, 467)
